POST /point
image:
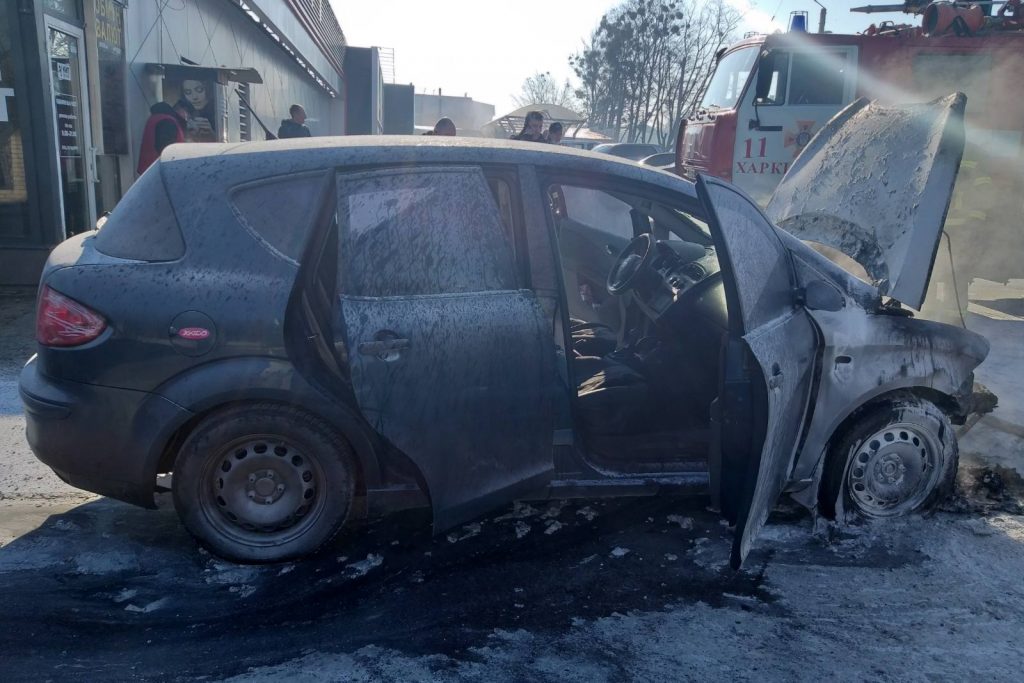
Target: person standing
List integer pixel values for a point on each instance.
(164, 127)
(533, 128)
(445, 127)
(295, 126)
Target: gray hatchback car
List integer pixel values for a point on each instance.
(306, 331)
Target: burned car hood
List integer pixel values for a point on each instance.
(875, 183)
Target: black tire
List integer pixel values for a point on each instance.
(264, 483)
(898, 457)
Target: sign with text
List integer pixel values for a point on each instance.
(113, 70)
(67, 125)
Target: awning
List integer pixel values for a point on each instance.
(512, 122)
(182, 72)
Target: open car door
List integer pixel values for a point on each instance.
(875, 183)
(767, 367)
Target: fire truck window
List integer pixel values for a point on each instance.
(730, 78)
(772, 74)
(817, 78)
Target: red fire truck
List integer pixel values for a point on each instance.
(770, 94)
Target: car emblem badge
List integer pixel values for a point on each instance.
(195, 333)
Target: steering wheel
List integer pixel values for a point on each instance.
(631, 263)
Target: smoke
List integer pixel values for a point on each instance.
(984, 229)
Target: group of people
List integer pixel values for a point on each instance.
(190, 119)
(533, 130)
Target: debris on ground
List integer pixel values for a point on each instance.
(363, 567)
(468, 531)
(683, 522)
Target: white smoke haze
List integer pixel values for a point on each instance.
(985, 224)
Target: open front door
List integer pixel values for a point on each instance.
(449, 360)
(768, 362)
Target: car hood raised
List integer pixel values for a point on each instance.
(875, 183)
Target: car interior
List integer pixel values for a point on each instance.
(647, 318)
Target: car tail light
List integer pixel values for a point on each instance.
(61, 321)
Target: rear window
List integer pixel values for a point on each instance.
(280, 211)
(142, 226)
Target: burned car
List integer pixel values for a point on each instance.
(307, 331)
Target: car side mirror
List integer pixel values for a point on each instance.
(819, 295)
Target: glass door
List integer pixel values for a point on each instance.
(71, 118)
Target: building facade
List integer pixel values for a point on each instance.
(79, 79)
(469, 115)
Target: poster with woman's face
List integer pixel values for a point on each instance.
(193, 101)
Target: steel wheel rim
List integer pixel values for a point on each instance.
(262, 490)
(893, 471)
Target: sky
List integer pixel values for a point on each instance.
(486, 50)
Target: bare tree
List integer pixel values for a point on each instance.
(647, 64)
(541, 88)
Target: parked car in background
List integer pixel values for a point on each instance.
(628, 150)
(285, 329)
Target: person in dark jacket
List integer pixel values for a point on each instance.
(165, 126)
(294, 127)
(533, 128)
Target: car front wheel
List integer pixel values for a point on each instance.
(899, 457)
(263, 483)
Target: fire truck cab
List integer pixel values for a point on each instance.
(770, 94)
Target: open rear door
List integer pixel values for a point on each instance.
(767, 365)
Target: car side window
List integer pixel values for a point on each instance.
(593, 208)
(420, 232)
(280, 211)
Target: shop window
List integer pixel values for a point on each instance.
(13, 134)
(67, 9)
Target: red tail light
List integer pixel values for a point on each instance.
(61, 321)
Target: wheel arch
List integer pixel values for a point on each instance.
(217, 386)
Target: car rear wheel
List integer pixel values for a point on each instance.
(263, 483)
(899, 457)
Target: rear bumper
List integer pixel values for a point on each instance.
(100, 439)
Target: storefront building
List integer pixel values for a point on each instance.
(79, 79)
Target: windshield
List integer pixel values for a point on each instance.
(729, 79)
